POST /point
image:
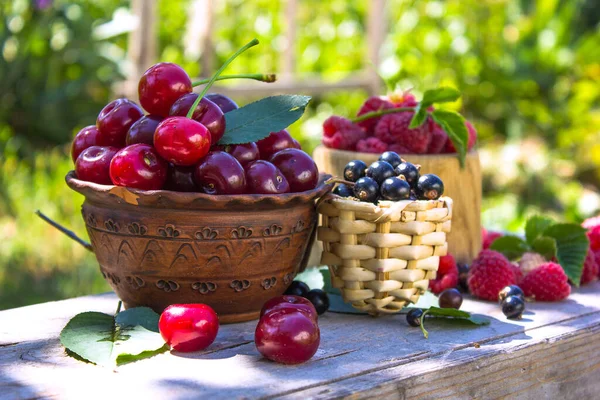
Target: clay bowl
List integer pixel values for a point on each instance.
(157, 248)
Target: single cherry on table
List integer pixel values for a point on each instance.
(262, 177)
(182, 140)
(290, 301)
(86, 137)
(93, 164)
(142, 130)
(206, 112)
(298, 168)
(115, 119)
(138, 166)
(188, 327)
(161, 85)
(220, 173)
(275, 142)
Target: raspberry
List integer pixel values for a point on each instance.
(490, 273)
(590, 268)
(403, 99)
(393, 129)
(341, 133)
(489, 237)
(591, 222)
(594, 236)
(447, 275)
(373, 103)
(439, 137)
(530, 261)
(547, 282)
(449, 148)
(518, 273)
(371, 145)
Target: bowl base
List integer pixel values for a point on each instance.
(223, 318)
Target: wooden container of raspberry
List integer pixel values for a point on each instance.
(462, 185)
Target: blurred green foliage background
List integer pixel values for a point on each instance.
(529, 72)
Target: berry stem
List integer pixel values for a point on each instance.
(338, 180)
(64, 230)
(425, 333)
(119, 307)
(268, 78)
(212, 80)
(374, 114)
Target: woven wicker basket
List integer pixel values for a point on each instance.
(383, 256)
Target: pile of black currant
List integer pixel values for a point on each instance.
(512, 300)
(317, 297)
(389, 178)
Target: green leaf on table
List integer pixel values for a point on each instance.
(572, 246)
(108, 340)
(454, 125)
(536, 226)
(512, 247)
(452, 314)
(546, 246)
(439, 95)
(419, 117)
(257, 120)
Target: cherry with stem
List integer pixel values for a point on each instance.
(267, 78)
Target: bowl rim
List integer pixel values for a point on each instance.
(162, 198)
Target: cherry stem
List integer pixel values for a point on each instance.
(268, 78)
(422, 319)
(374, 114)
(66, 231)
(212, 80)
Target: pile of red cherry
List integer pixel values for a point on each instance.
(166, 150)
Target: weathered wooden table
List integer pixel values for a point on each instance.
(553, 352)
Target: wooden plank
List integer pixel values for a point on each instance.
(557, 344)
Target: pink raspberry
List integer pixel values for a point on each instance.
(490, 273)
(341, 133)
(548, 282)
(373, 103)
(449, 148)
(590, 268)
(371, 145)
(591, 222)
(393, 129)
(489, 237)
(594, 236)
(439, 137)
(447, 275)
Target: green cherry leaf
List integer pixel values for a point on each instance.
(257, 120)
(512, 247)
(572, 246)
(454, 125)
(451, 314)
(546, 246)
(143, 316)
(440, 95)
(535, 226)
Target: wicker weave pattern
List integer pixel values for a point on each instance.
(382, 257)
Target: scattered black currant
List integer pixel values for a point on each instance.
(355, 170)
(298, 288)
(380, 171)
(391, 157)
(366, 189)
(512, 290)
(343, 190)
(450, 298)
(410, 172)
(513, 307)
(395, 189)
(429, 187)
(413, 317)
(319, 299)
(463, 274)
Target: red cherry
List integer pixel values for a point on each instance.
(188, 327)
(287, 336)
(85, 138)
(115, 119)
(220, 173)
(288, 301)
(207, 113)
(298, 168)
(262, 177)
(181, 140)
(224, 102)
(138, 166)
(161, 85)
(244, 153)
(275, 142)
(142, 130)
(180, 179)
(93, 164)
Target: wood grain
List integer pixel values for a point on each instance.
(462, 185)
(553, 352)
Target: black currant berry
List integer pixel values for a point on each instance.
(463, 274)
(355, 170)
(395, 189)
(511, 290)
(380, 171)
(513, 307)
(410, 172)
(343, 190)
(450, 298)
(391, 157)
(429, 187)
(413, 317)
(319, 299)
(298, 288)
(366, 189)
